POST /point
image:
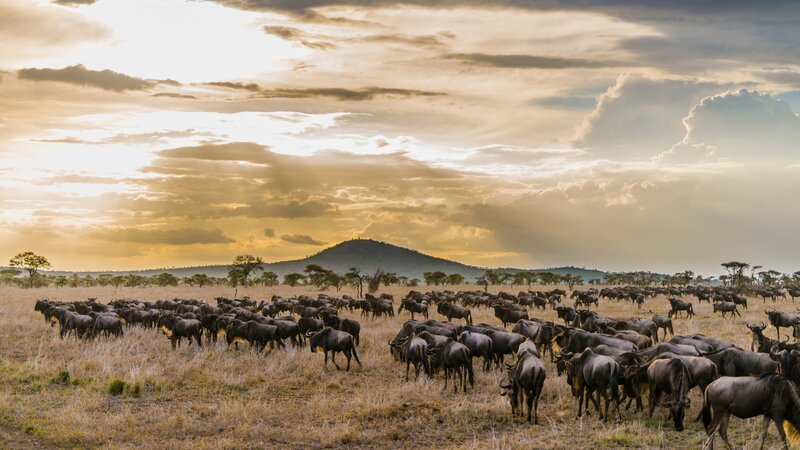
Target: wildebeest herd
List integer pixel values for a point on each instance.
(606, 361)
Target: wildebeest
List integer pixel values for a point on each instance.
(779, 319)
(761, 343)
(256, 334)
(771, 396)
(676, 306)
(348, 325)
(413, 307)
(567, 314)
(454, 311)
(454, 358)
(479, 345)
(735, 362)
(106, 325)
(334, 341)
(81, 324)
(727, 307)
(670, 376)
(589, 372)
(525, 381)
(415, 351)
(178, 328)
(664, 323)
(508, 314)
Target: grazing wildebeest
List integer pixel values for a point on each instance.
(526, 379)
(727, 307)
(334, 341)
(735, 362)
(450, 311)
(107, 325)
(567, 314)
(413, 307)
(670, 376)
(508, 314)
(479, 345)
(676, 306)
(779, 319)
(589, 372)
(256, 333)
(80, 323)
(178, 328)
(772, 396)
(415, 351)
(664, 323)
(454, 358)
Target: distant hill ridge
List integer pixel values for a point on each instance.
(367, 255)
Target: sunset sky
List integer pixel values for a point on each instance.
(620, 135)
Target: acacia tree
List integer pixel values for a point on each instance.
(293, 279)
(243, 266)
(354, 278)
(735, 272)
(31, 263)
(200, 279)
(455, 279)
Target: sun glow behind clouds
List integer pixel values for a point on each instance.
(185, 41)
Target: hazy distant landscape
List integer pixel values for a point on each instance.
(380, 224)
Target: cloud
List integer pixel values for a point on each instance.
(297, 35)
(74, 2)
(342, 94)
(566, 102)
(269, 232)
(175, 95)
(301, 239)
(236, 85)
(640, 117)
(181, 236)
(741, 125)
(528, 61)
(78, 74)
(367, 93)
(329, 42)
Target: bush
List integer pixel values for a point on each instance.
(61, 378)
(134, 390)
(117, 387)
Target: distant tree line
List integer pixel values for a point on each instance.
(248, 270)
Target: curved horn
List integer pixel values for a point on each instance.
(309, 333)
(505, 386)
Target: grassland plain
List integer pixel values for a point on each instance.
(55, 393)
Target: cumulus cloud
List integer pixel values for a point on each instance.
(743, 125)
(78, 74)
(640, 117)
(301, 239)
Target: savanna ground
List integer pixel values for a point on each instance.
(216, 397)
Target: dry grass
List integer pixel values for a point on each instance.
(220, 398)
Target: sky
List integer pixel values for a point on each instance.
(618, 135)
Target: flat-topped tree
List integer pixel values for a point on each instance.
(735, 272)
(242, 267)
(31, 263)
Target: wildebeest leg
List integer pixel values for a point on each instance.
(529, 403)
(655, 397)
(723, 428)
(781, 433)
(173, 342)
(580, 401)
(333, 359)
(604, 393)
(326, 358)
(408, 366)
(764, 428)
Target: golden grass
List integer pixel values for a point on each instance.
(221, 398)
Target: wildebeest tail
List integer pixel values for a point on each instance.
(355, 353)
(705, 413)
(470, 372)
(613, 382)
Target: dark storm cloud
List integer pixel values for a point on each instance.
(78, 74)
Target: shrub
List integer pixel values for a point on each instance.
(61, 378)
(117, 387)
